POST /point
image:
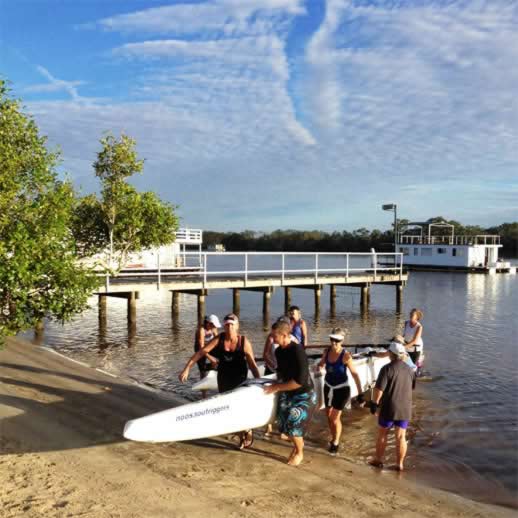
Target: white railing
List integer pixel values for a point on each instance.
(275, 265)
(449, 240)
(189, 236)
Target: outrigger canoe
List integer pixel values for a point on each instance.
(243, 408)
(368, 368)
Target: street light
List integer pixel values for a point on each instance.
(392, 207)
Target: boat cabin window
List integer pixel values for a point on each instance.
(403, 250)
(426, 251)
(416, 251)
(454, 252)
(442, 251)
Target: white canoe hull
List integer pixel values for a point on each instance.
(240, 409)
(210, 381)
(367, 367)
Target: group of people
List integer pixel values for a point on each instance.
(284, 354)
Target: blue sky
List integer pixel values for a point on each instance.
(264, 114)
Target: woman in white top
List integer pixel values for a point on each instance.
(413, 334)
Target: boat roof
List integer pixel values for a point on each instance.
(425, 223)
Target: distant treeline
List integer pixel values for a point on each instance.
(360, 240)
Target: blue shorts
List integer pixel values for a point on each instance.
(390, 424)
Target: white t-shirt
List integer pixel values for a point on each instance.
(409, 334)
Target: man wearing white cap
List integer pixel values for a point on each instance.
(392, 400)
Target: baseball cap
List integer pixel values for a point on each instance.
(214, 320)
(397, 348)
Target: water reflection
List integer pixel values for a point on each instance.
(465, 417)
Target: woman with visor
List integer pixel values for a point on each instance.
(337, 392)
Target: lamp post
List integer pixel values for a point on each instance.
(392, 207)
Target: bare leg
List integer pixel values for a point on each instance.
(401, 447)
(298, 451)
(337, 425)
(330, 422)
(381, 444)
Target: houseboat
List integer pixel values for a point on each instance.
(434, 246)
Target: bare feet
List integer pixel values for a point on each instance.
(284, 437)
(246, 439)
(376, 463)
(295, 459)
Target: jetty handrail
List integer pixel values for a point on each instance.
(480, 239)
(316, 267)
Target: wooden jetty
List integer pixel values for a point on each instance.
(266, 285)
(360, 270)
(264, 272)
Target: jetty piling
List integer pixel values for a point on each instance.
(130, 296)
(287, 299)
(332, 298)
(236, 301)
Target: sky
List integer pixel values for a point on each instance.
(266, 114)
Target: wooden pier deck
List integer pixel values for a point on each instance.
(265, 272)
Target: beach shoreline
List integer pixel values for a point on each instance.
(63, 455)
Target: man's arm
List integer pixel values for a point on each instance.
(281, 387)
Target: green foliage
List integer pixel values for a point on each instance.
(39, 272)
(360, 240)
(121, 221)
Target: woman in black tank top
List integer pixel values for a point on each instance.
(234, 354)
(232, 364)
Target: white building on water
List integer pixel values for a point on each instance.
(184, 252)
(422, 249)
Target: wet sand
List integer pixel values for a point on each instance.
(62, 454)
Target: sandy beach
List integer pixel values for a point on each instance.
(62, 454)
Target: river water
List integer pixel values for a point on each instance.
(464, 433)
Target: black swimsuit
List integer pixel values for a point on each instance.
(232, 365)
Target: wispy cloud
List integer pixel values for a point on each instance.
(55, 85)
(417, 90)
(227, 16)
(411, 102)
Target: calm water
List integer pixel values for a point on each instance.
(465, 427)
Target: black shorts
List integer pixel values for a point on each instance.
(340, 397)
(415, 356)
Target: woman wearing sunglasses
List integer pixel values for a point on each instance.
(336, 361)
